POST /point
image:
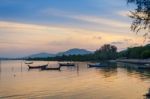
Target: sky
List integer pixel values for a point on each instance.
(34, 26)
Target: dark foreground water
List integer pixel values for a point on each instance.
(17, 82)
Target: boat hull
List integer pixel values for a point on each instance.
(37, 67)
(95, 65)
(66, 64)
(29, 63)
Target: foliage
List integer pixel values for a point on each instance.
(107, 51)
(141, 16)
(145, 54)
(88, 57)
(140, 52)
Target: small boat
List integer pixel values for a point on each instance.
(97, 65)
(28, 62)
(37, 67)
(66, 64)
(56, 68)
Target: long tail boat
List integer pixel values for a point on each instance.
(28, 62)
(66, 64)
(97, 65)
(52, 68)
(36, 67)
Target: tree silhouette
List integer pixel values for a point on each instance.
(141, 17)
(107, 51)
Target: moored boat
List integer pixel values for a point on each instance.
(52, 68)
(28, 62)
(66, 64)
(36, 67)
(97, 65)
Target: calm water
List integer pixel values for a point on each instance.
(17, 82)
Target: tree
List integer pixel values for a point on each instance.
(107, 51)
(145, 54)
(140, 52)
(141, 16)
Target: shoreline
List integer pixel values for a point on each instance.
(134, 61)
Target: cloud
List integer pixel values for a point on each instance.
(38, 38)
(86, 18)
(123, 13)
(128, 40)
(76, 27)
(97, 37)
(10, 42)
(136, 44)
(118, 42)
(101, 21)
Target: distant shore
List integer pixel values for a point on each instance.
(134, 61)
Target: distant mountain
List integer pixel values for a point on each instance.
(42, 55)
(75, 51)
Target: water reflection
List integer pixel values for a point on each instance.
(108, 72)
(77, 82)
(21, 66)
(0, 65)
(0, 69)
(132, 70)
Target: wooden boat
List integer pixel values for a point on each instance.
(37, 67)
(66, 64)
(28, 62)
(56, 68)
(97, 65)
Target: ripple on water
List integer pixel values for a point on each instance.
(82, 83)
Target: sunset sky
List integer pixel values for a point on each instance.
(33, 26)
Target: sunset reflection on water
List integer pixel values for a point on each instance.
(70, 82)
